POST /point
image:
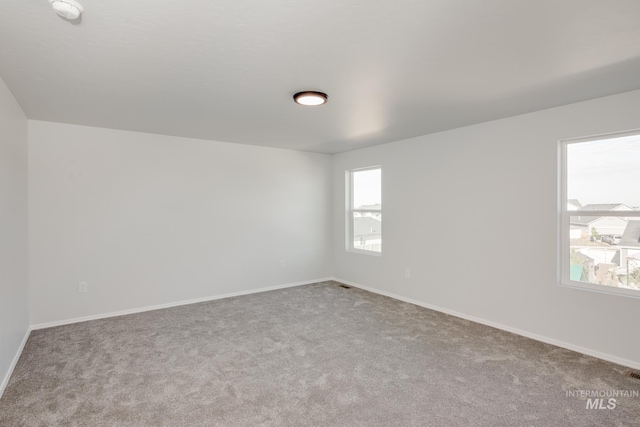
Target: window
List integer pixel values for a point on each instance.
(600, 213)
(364, 213)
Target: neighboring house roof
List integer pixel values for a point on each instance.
(367, 226)
(574, 202)
(579, 257)
(374, 207)
(586, 220)
(579, 220)
(616, 258)
(605, 207)
(631, 236)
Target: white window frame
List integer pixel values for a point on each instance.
(349, 226)
(564, 226)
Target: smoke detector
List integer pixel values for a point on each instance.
(68, 9)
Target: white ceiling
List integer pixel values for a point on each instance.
(226, 70)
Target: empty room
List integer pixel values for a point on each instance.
(192, 198)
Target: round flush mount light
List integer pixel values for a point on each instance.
(310, 98)
(68, 9)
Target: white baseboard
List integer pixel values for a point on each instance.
(171, 304)
(14, 362)
(552, 341)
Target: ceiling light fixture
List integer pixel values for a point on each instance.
(68, 9)
(310, 97)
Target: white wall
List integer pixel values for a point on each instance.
(148, 219)
(495, 185)
(14, 317)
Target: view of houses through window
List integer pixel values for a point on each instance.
(365, 213)
(602, 212)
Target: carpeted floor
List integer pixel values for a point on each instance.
(315, 355)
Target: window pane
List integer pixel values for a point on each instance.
(367, 189)
(605, 250)
(365, 228)
(603, 174)
(367, 231)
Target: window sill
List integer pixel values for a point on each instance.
(610, 290)
(363, 252)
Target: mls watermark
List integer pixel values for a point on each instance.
(602, 399)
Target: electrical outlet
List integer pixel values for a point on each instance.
(283, 263)
(83, 287)
(407, 273)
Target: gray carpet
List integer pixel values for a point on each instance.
(316, 355)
